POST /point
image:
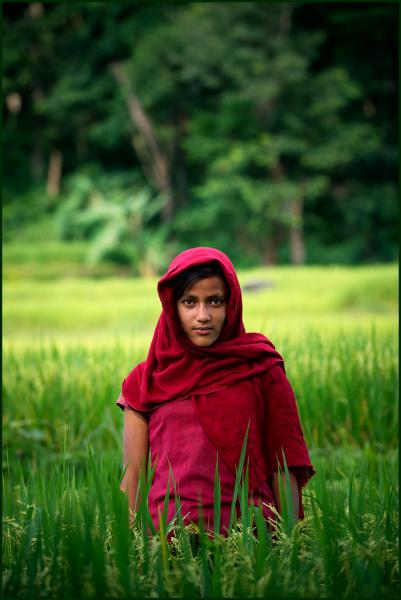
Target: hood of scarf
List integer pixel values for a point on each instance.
(175, 367)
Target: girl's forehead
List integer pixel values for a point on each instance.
(207, 286)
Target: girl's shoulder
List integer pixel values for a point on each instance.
(134, 377)
(274, 375)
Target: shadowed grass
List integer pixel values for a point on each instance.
(65, 535)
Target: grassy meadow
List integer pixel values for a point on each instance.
(68, 343)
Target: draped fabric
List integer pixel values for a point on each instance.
(176, 368)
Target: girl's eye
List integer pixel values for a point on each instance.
(213, 301)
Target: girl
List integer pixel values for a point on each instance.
(205, 380)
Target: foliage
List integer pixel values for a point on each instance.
(279, 143)
(117, 213)
(72, 536)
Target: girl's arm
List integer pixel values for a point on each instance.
(135, 450)
(294, 492)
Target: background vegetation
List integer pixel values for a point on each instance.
(139, 129)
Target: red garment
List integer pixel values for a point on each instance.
(239, 379)
(234, 357)
(179, 445)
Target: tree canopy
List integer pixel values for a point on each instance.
(267, 130)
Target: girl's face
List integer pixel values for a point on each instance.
(202, 310)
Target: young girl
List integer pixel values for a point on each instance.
(205, 380)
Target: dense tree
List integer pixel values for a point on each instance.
(268, 130)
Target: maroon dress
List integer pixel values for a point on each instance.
(184, 455)
(187, 439)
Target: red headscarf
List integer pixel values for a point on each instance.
(176, 368)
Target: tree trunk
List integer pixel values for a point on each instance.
(179, 168)
(151, 155)
(36, 9)
(81, 143)
(270, 253)
(297, 246)
(37, 156)
(275, 228)
(37, 160)
(54, 173)
(285, 20)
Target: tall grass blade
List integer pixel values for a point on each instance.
(216, 499)
(238, 476)
(286, 498)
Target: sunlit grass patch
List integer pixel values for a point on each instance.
(346, 387)
(296, 298)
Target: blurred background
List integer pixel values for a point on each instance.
(134, 130)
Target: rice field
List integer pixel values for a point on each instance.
(67, 345)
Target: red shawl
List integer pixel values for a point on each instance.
(177, 368)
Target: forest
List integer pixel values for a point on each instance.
(269, 130)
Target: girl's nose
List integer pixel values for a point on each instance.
(203, 313)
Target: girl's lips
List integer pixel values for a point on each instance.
(203, 331)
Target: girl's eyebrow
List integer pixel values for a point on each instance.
(217, 294)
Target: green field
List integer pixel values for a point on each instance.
(67, 345)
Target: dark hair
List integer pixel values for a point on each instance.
(196, 273)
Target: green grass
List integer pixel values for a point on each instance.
(69, 343)
(66, 535)
(346, 388)
(48, 260)
(298, 299)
